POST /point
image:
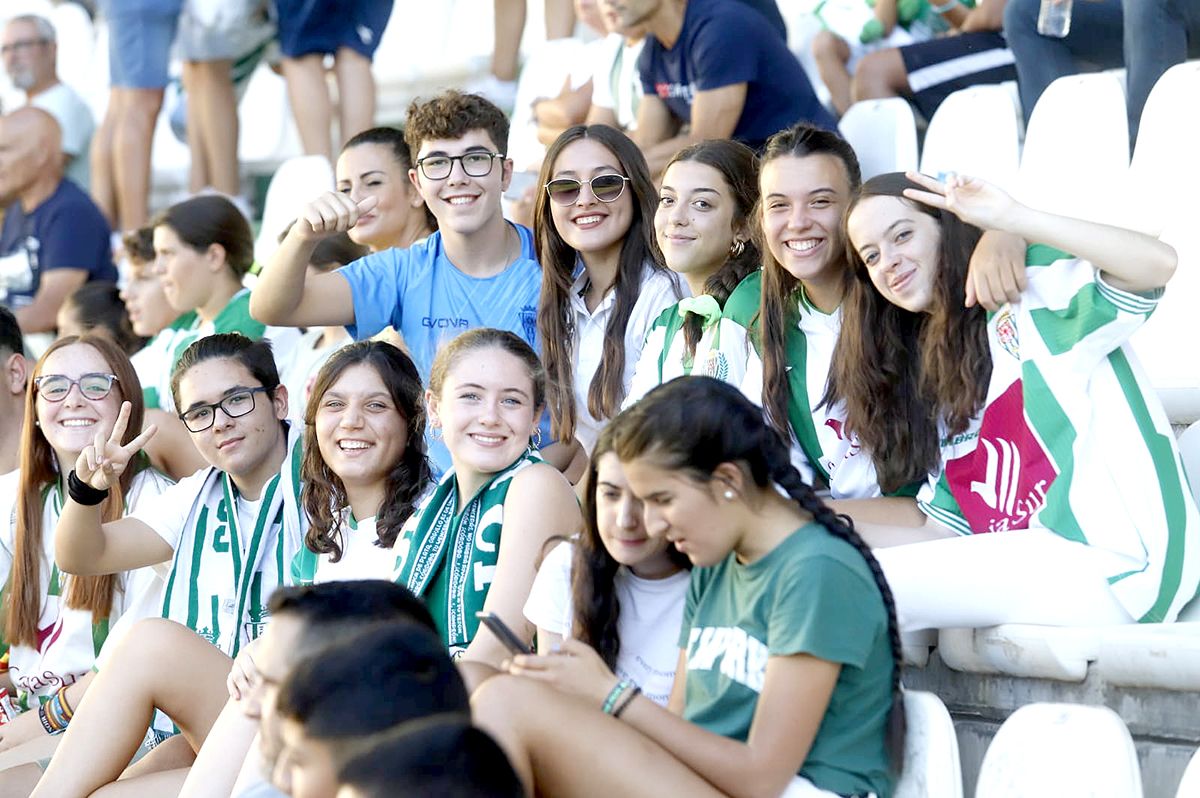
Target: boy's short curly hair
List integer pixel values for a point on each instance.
(450, 115)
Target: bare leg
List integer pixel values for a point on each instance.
(356, 93)
(563, 746)
(20, 781)
(832, 53)
(212, 125)
(132, 139)
(220, 759)
(510, 24)
(158, 664)
(170, 754)
(309, 97)
(879, 75)
(156, 785)
(102, 187)
(560, 19)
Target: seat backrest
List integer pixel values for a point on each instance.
(1076, 154)
(977, 132)
(1166, 162)
(1052, 750)
(298, 181)
(931, 764)
(1189, 785)
(883, 134)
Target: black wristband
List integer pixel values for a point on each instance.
(628, 700)
(83, 493)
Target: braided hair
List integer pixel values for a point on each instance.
(695, 424)
(738, 166)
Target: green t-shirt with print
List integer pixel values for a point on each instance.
(812, 594)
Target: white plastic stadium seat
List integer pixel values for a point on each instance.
(297, 181)
(1040, 652)
(1076, 154)
(1189, 785)
(977, 132)
(1166, 161)
(76, 45)
(931, 764)
(1055, 750)
(883, 134)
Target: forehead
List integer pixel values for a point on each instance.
(646, 477)
(275, 653)
(208, 380)
(584, 156)
(491, 367)
(19, 29)
(74, 360)
(164, 236)
(801, 175)
(472, 139)
(369, 157)
(608, 469)
(359, 378)
(873, 215)
(690, 175)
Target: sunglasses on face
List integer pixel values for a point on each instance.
(55, 387)
(606, 188)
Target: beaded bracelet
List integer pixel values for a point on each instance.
(632, 694)
(614, 694)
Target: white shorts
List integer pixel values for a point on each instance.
(800, 787)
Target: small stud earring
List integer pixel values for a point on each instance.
(729, 495)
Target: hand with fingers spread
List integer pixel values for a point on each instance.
(996, 273)
(101, 463)
(971, 199)
(575, 668)
(331, 213)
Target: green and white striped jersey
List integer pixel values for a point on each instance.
(721, 352)
(1073, 439)
(822, 450)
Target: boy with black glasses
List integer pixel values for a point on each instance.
(477, 270)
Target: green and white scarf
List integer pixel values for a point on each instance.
(448, 558)
(223, 573)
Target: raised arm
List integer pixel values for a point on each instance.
(83, 544)
(285, 295)
(1130, 261)
(539, 506)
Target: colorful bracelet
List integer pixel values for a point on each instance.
(61, 706)
(632, 694)
(49, 723)
(614, 694)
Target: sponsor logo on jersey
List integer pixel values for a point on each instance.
(1006, 332)
(1003, 481)
(716, 365)
(437, 323)
(675, 91)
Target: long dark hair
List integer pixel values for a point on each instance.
(558, 259)
(738, 165)
(901, 374)
(594, 571)
(211, 219)
(780, 290)
(39, 470)
(324, 493)
(694, 425)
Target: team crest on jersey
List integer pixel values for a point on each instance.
(716, 365)
(528, 316)
(1003, 481)
(1006, 332)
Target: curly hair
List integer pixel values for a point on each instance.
(451, 115)
(324, 494)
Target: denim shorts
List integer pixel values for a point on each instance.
(140, 34)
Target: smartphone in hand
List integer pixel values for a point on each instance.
(501, 630)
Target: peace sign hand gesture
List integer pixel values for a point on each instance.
(101, 464)
(971, 199)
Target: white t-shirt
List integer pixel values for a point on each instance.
(77, 124)
(361, 558)
(648, 626)
(659, 290)
(616, 84)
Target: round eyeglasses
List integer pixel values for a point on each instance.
(200, 417)
(474, 164)
(55, 387)
(606, 188)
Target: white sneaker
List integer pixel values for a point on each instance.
(501, 92)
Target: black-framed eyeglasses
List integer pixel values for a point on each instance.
(237, 404)
(55, 387)
(21, 44)
(606, 188)
(477, 163)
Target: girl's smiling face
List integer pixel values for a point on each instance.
(620, 524)
(694, 220)
(360, 431)
(371, 170)
(803, 199)
(485, 410)
(73, 423)
(900, 246)
(589, 225)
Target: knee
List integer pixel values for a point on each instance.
(154, 638)
(827, 46)
(878, 75)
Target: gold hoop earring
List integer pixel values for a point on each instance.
(737, 248)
